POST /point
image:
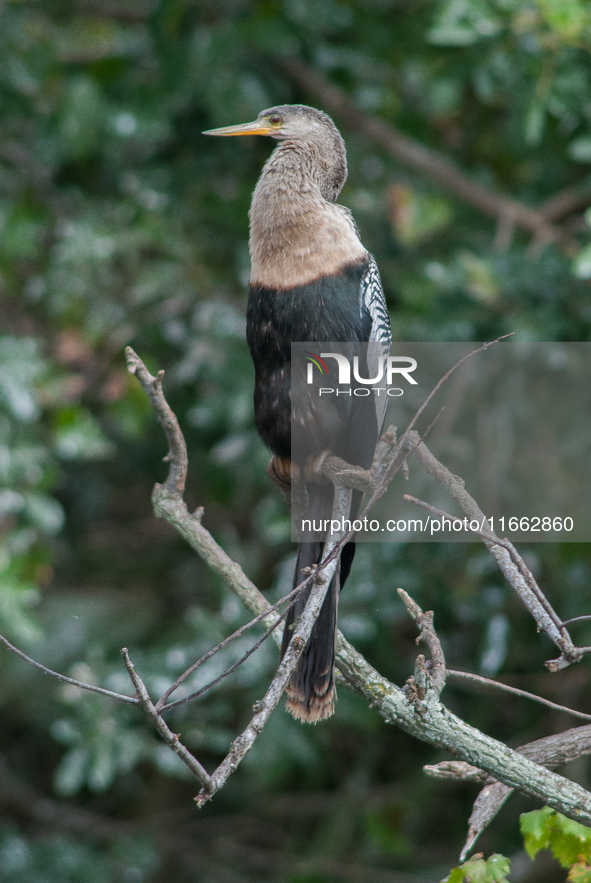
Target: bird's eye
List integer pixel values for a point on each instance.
(275, 120)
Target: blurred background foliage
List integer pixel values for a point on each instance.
(120, 224)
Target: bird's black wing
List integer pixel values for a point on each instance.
(311, 688)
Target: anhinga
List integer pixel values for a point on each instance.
(311, 280)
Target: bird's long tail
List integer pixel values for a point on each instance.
(311, 689)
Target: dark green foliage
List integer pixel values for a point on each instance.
(569, 842)
(120, 224)
(476, 870)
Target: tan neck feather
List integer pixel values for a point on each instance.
(296, 236)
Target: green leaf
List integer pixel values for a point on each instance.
(462, 23)
(548, 829)
(476, 870)
(70, 774)
(582, 263)
(17, 597)
(417, 216)
(580, 149)
(534, 829)
(571, 19)
(571, 841)
(534, 121)
(580, 873)
(498, 867)
(78, 436)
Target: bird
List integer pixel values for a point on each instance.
(311, 280)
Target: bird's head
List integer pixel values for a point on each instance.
(307, 125)
(287, 122)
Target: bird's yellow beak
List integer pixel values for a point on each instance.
(258, 127)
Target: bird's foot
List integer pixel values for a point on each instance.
(340, 473)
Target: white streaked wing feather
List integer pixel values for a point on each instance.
(372, 301)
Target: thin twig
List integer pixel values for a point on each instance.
(401, 451)
(169, 506)
(510, 562)
(478, 679)
(301, 633)
(162, 705)
(492, 538)
(172, 739)
(566, 201)
(177, 456)
(427, 634)
(130, 700)
(398, 461)
(585, 618)
(228, 671)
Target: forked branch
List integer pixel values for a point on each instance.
(428, 720)
(417, 708)
(512, 565)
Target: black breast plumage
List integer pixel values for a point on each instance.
(347, 306)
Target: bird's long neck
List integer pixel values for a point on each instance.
(297, 232)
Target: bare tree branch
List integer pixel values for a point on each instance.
(424, 622)
(269, 702)
(163, 704)
(301, 633)
(438, 726)
(174, 485)
(171, 739)
(228, 671)
(497, 685)
(575, 619)
(488, 803)
(416, 709)
(168, 504)
(130, 700)
(552, 751)
(512, 565)
(433, 724)
(566, 201)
